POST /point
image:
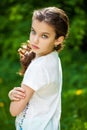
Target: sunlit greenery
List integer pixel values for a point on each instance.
(15, 22)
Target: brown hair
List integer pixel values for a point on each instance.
(55, 17)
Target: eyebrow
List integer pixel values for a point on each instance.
(41, 32)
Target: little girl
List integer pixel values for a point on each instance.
(37, 103)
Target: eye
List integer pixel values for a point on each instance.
(44, 36)
(33, 31)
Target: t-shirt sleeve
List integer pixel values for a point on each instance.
(35, 77)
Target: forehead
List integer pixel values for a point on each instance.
(42, 26)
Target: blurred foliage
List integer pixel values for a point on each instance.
(15, 22)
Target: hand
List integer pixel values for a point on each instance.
(26, 56)
(17, 94)
(24, 50)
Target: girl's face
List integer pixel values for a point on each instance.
(42, 38)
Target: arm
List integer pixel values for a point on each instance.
(19, 96)
(18, 106)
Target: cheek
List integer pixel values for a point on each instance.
(31, 38)
(30, 35)
(46, 46)
(50, 43)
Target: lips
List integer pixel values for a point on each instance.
(35, 47)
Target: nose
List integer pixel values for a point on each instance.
(36, 39)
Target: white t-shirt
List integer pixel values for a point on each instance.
(44, 75)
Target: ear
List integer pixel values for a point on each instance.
(59, 40)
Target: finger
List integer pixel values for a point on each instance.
(25, 49)
(20, 89)
(22, 55)
(24, 46)
(18, 97)
(21, 51)
(19, 92)
(28, 47)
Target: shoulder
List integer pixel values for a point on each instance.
(42, 71)
(46, 62)
(51, 60)
(48, 59)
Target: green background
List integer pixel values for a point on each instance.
(15, 21)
